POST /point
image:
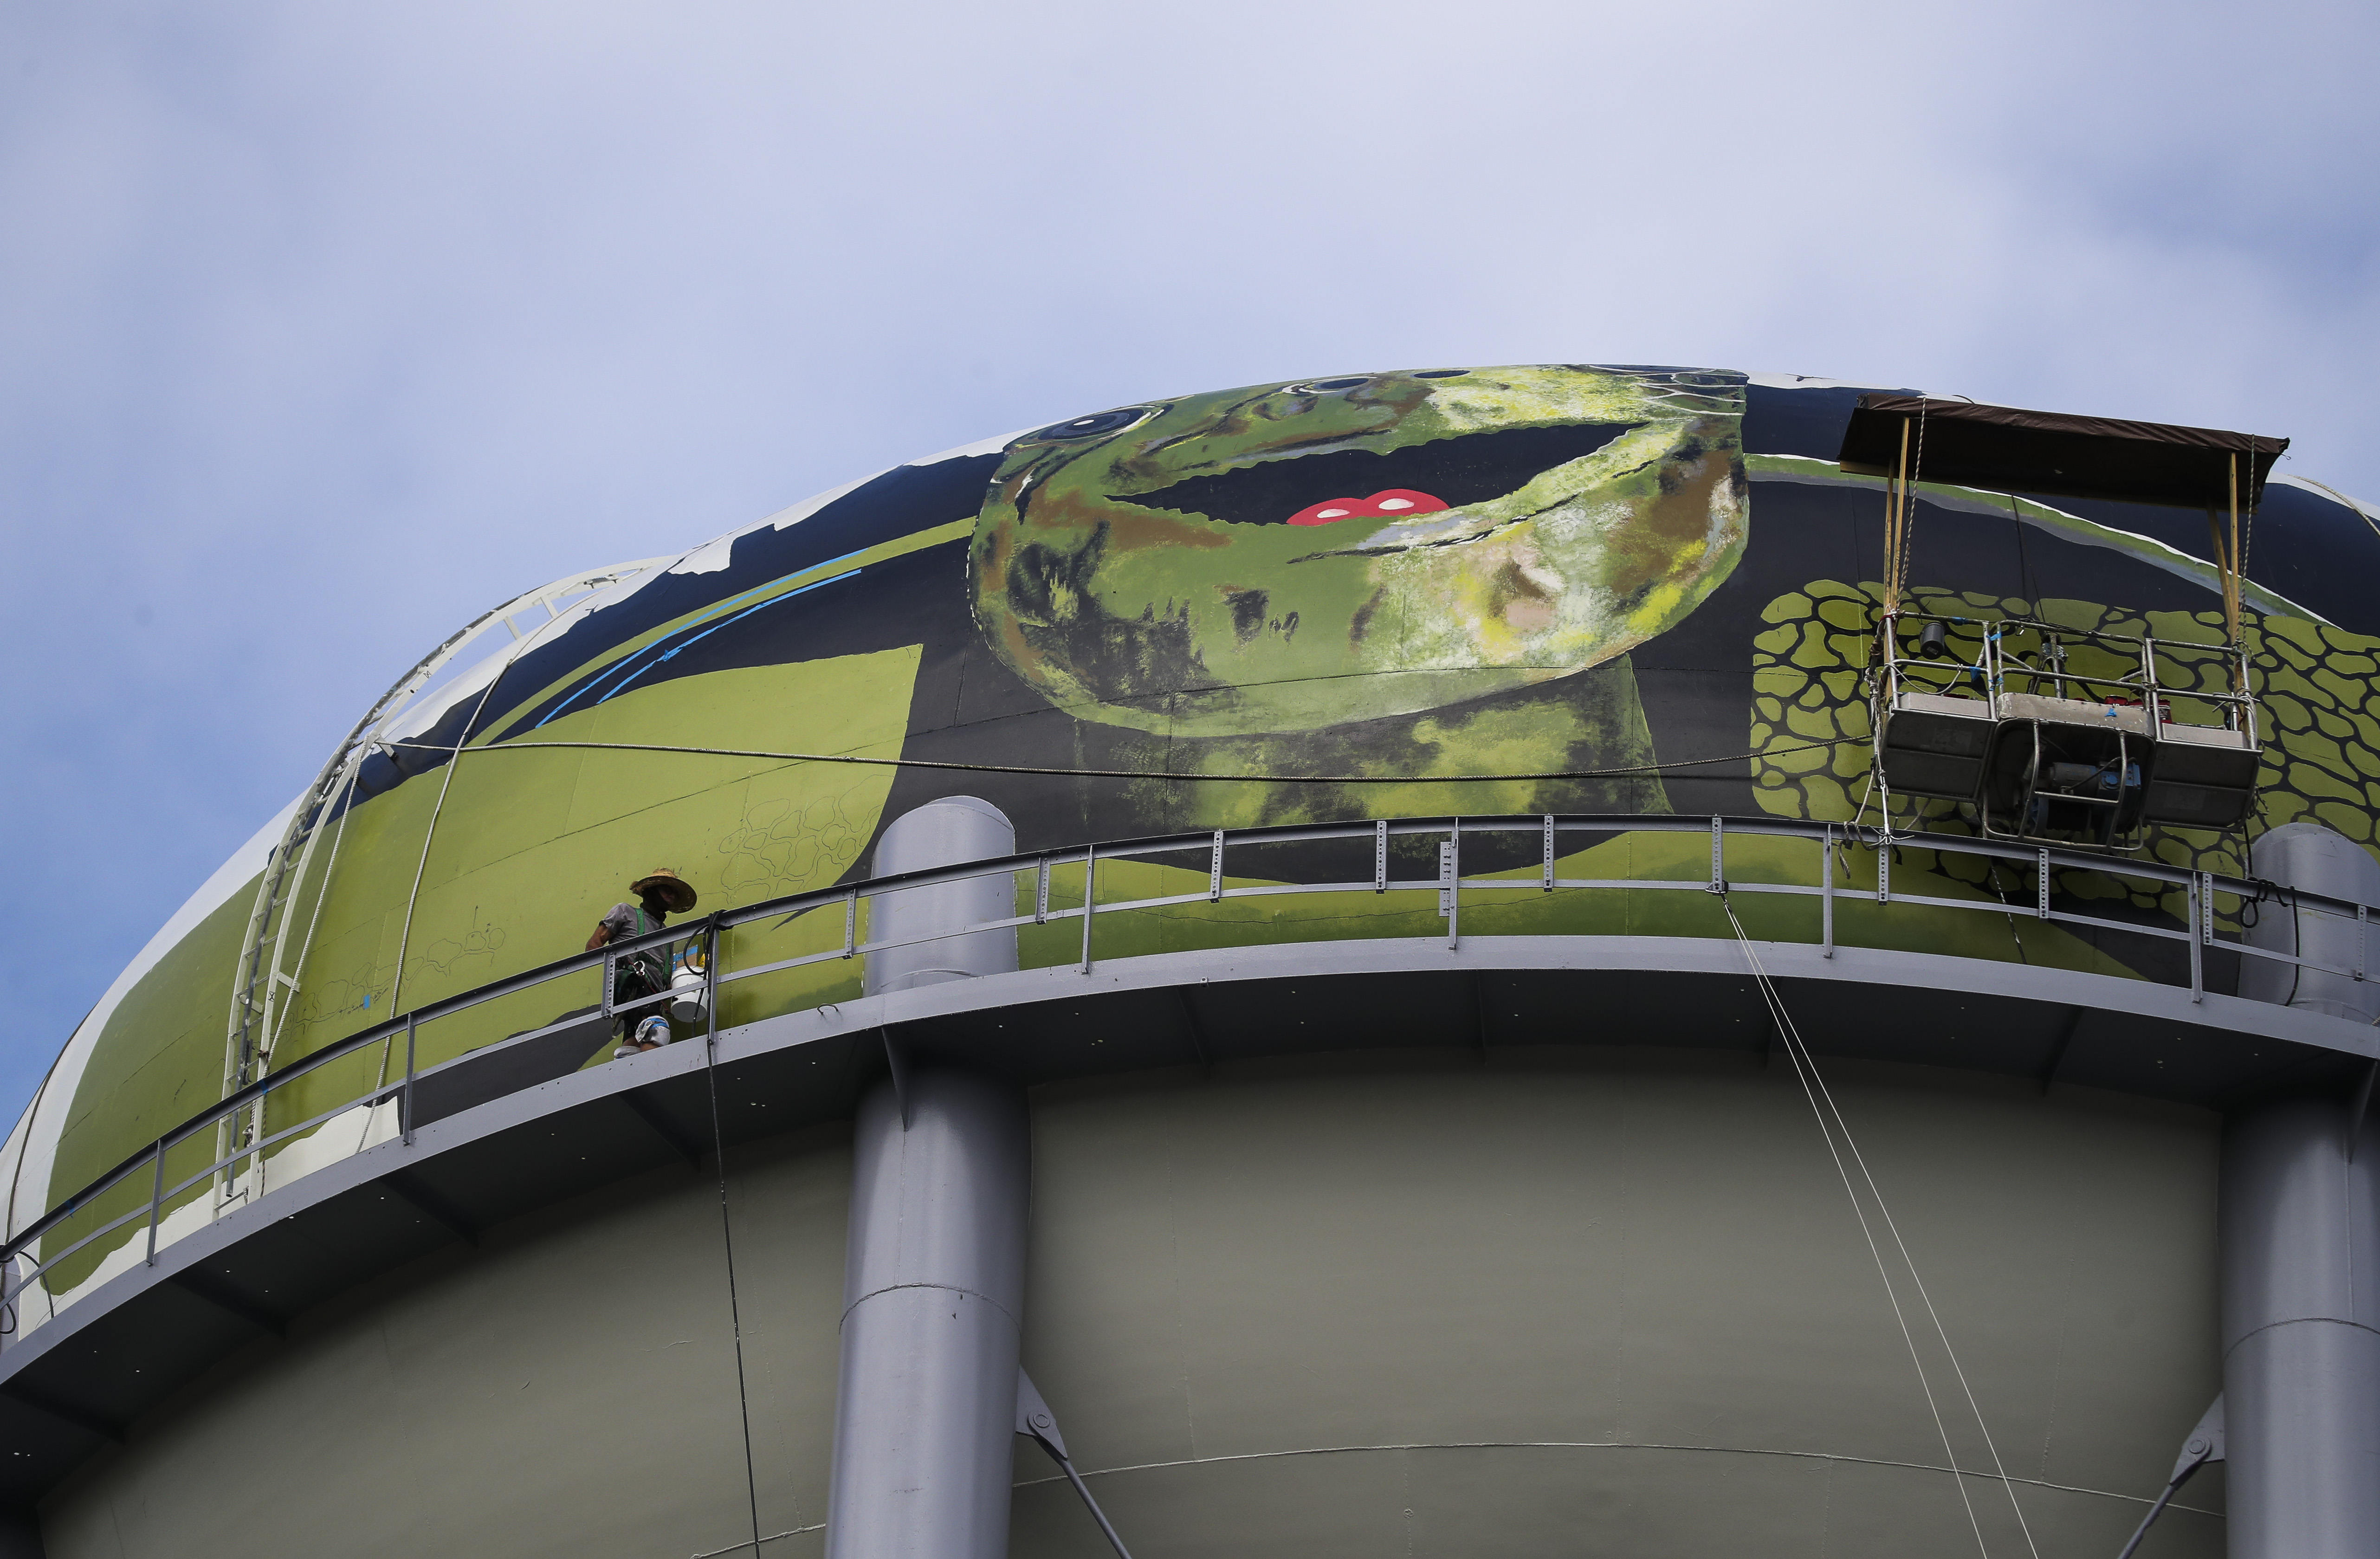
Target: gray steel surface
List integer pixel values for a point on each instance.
(117, 1352)
(934, 1303)
(948, 831)
(2308, 855)
(1321, 1306)
(2300, 1244)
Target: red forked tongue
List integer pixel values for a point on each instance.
(1389, 503)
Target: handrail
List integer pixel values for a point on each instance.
(2200, 888)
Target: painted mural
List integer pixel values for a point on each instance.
(1330, 598)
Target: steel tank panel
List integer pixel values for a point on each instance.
(1593, 1300)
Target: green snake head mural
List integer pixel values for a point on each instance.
(1288, 557)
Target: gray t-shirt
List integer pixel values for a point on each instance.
(631, 919)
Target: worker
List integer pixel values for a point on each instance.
(659, 895)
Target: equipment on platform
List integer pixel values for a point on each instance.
(2054, 731)
(689, 986)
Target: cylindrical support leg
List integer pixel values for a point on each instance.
(2301, 1231)
(934, 1296)
(950, 832)
(934, 1278)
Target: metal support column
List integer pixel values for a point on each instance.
(945, 833)
(933, 1304)
(934, 1277)
(2301, 1254)
(2301, 1231)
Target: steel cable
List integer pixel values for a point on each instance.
(1655, 768)
(726, 1227)
(1814, 1089)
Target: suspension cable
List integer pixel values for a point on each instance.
(726, 1224)
(1814, 1089)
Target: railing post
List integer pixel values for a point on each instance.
(1826, 892)
(1449, 874)
(1883, 866)
(850, 920)
(1718, 860)
(1215, 871)
(2197, 959)
(1550, 852)
(1090, 898)
(1380, 855)
(2041, 887)
(156, 1195)
(407, 1107)
(711, 996)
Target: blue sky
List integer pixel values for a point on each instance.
(324, 328)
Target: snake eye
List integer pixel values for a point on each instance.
(1095, 424)
(1441, 374)
(1341, 383)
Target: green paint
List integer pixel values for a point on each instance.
(1131, 611)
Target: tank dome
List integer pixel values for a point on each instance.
(1441, 592)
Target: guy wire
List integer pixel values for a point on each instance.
(1814, 1089)
(726, 1227)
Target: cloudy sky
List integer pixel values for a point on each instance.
(325, 327)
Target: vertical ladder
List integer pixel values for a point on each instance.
(265, 981)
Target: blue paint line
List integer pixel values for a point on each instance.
(621, 686)
(595, 681)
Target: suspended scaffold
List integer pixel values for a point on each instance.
(2050, 732)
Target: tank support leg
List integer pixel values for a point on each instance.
(934, 1277)
(934, 1296)
(2301, 1233)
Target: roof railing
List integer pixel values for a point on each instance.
(1449, 882)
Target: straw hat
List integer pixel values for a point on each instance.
(667, 886)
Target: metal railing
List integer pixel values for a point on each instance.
(1989, 660)
(1834, 844)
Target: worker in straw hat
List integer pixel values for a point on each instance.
(660, 894)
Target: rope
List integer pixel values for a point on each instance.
(2023, 566)
(727, 1228)
(1814, 1089)
(1909, 502)
(1148, 773)
(2343, 499)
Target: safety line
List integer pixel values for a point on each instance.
(2367, 516)
(1802, 1070)
(726, 1227)
(1873, 1190)
(1143, 773)
(1571, 1446)
(740, 1547)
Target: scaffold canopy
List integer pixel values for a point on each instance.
(2008, 449)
